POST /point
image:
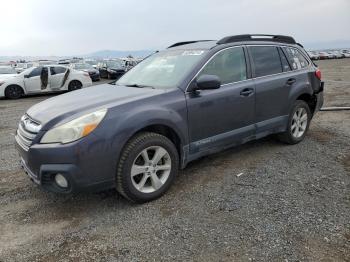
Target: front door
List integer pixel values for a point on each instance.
(225, 116)
(33, 81)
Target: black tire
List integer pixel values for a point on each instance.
(74, 85)
(130, 154)
(13, 92)
(288, 137)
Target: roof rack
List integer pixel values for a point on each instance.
(187, 42)
(257, 37)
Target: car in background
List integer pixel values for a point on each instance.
(91, 62)
(331, 55)
(7, 71)
(111, 69)
(43, 79)
(323, 55)
(345, 53)
(338, 54)
(23, 66)
(130, 63)
(84, 67)
(313, 55)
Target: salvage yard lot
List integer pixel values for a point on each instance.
(289, 202)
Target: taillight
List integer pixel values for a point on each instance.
(318, 73)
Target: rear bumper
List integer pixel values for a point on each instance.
(319, 97)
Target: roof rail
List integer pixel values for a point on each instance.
(187, 42)
(257, 37)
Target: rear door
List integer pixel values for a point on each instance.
(220, 117)
(56, 77)
(273, 84)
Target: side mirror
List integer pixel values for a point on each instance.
(26, 76)
(205, 82)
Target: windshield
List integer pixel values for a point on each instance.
(7, 70)
(162, 70)
(83, 66)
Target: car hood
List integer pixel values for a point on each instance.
(7, 76)
(73, 104)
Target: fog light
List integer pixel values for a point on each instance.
(61, 180)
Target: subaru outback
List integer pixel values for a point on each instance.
(193, 99)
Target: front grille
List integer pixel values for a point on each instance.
(26, 132)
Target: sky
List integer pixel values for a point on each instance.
(78, 27)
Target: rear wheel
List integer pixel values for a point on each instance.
(13, 92)
(74, 85)
(298, 123)
(147, 167)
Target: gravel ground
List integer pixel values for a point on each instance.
(291, 203)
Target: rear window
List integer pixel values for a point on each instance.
(57, 70)
(295, 58)
(266, 60)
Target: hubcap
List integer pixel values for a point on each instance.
(299, 122)
(151, 169)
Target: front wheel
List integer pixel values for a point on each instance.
(147, 167)
(13, 92)
(298, 123)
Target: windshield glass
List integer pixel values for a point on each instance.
(83, 66)
(114, 64)
(162, 70)
(7, 70)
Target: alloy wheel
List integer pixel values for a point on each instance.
(151, 169)
(299, 122)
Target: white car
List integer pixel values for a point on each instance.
(7, 71)
(42, 79)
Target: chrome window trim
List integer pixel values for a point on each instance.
(247, 45)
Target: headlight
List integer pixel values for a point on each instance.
(1, 82)
(74, 129)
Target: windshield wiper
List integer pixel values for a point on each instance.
(139, 86)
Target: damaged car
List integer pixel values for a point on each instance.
(43, 79)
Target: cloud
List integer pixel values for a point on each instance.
(39, 27)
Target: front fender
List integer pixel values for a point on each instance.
(121, 123)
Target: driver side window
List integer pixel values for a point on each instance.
(35, 72)
(229, 65)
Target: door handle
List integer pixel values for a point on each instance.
(247, 92)
(291, 81)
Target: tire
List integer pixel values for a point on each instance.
(297, 124)
(74, 85)
(140, 180)
(13, 92)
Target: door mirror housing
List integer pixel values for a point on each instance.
(205, 82)
(26, 76)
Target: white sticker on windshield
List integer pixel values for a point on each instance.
(193, 52)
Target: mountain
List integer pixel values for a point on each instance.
(118, 53)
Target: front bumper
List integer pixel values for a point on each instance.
(83, 163)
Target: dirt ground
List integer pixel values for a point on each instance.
(292, 203)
